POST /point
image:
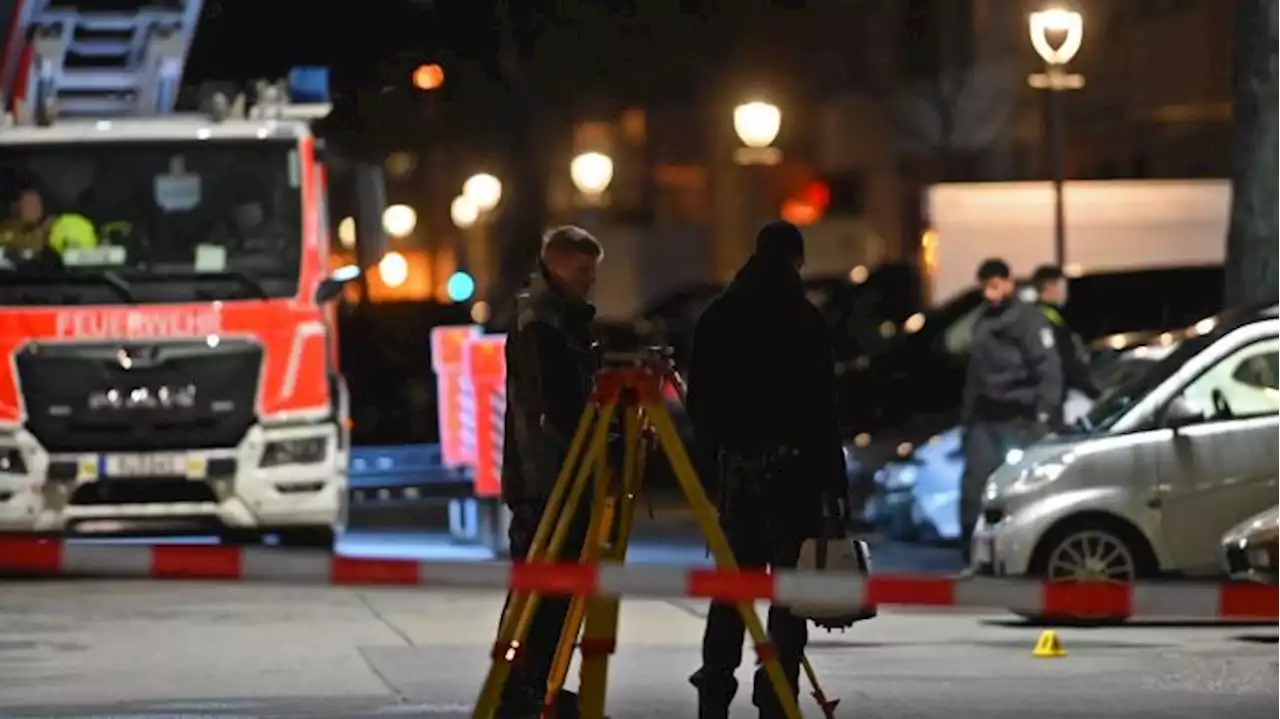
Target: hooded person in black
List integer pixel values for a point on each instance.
(762, 398)
(551, 368)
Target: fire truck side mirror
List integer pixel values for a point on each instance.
(371, 201)
(331, 287)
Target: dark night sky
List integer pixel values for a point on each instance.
(244, 38)
(574, 51)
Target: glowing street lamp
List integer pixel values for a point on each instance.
(393, 269)
(347, 232)
(399, 220)
(757, 125)
(483, 190)
(1068, 24)
(464, 212)
(591, 173)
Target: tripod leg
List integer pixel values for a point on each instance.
(514, 630)
(600, 636)
(719, 544)
(601, 526)
(828, 706)
(546, 524)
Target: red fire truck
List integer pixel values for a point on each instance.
(169, 356)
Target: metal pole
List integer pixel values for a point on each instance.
(1057, 153)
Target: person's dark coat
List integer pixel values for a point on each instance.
(1014, 370)
(551, 367)
(761, 375)
(1071, 354)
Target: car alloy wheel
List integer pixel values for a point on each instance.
(1092, 556)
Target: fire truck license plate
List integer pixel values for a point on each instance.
(146, 465)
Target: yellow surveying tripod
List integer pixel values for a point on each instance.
(634, 382)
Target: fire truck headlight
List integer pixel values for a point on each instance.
(309, 450)
(11, 461)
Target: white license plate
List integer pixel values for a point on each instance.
(158, 464)
(982, 553)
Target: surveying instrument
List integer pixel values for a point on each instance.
(630, 387)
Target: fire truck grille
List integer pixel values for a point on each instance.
(139, 397)
(142, 491)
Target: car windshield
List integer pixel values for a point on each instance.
(1117, 400)
(147, 222)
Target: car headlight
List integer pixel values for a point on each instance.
(1036, 477)
(11, 461)
(1028, 480)
(308, 450)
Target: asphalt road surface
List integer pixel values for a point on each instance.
(201, 649)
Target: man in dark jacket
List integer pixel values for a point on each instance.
(1051, 294)
(551, 367)
(762, 396)
(1013, 390)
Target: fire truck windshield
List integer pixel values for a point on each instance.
(149, 221)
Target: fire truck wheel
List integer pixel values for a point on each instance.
(314, 537)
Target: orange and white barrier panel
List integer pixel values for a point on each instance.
(486, 366)
(834, 589)
(471, 375)
(448, 360)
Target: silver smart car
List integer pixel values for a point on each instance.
(1147, 483)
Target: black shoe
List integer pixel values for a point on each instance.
(567, 706)
(713, 700)
(519, 703)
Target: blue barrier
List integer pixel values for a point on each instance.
(395, 482)
(404, 473)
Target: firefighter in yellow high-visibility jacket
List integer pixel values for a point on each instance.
(27, 227)
(28, 231)
(72, 231)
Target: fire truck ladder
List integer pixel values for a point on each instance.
(120, 59)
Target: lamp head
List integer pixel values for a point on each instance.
(1068, 23)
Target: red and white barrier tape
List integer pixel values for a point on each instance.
(833, 589)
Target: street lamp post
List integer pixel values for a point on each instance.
(591, 173)
(757, 124)
(399, 220)
(470, 212)
(1067, 27)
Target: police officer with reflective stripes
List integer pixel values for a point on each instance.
(1051, 295)
(1013, 388)
(762, 396)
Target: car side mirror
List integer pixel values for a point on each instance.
(330, 288)
(1180, 412)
